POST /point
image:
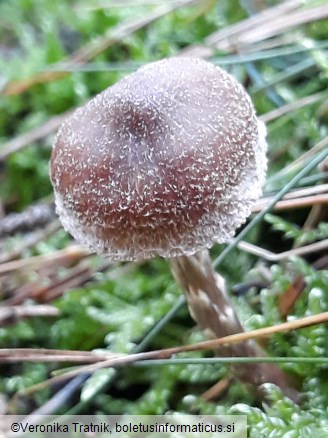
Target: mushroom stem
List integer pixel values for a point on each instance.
(210, 307)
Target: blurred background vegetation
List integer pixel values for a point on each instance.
(54, 56)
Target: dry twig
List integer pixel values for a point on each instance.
(206, 345)
(12, 314)
(272, 257)
(71, 253)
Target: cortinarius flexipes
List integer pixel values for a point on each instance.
(166, 162)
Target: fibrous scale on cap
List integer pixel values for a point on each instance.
(166, 162)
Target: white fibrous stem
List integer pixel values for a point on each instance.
(210, 307)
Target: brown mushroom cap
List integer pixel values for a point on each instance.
(166, 162)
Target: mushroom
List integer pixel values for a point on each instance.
(167, 162)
